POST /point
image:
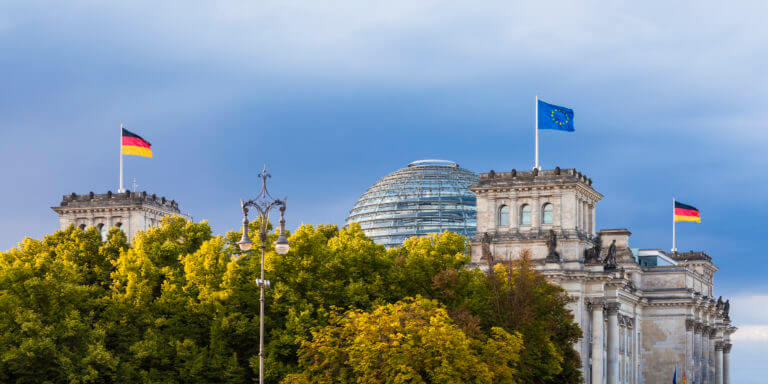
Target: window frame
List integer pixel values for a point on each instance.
(503, 213)
(522, 215)
(544, 213)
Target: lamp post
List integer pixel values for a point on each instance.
(264, 203)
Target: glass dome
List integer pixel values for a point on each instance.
(428, 196)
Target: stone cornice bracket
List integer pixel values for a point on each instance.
(612, 308)
(719, 346)
(690, 324)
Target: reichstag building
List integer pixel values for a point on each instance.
(644, 312)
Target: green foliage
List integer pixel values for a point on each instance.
(180, 305)
(411, 341)
(523, 301)
(52, 294)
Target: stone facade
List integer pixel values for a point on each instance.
(640, 318)
(130, 211)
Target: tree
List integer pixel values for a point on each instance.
(411, 341)
(326, 268)
(436, 266)
(52, 295)
(177, 312)
(522, 300)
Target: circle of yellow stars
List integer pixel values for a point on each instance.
(557, 119)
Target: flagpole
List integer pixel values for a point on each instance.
(673, 226)
(536, 127)
(121, 190)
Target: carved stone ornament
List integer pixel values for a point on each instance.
(626, 321)
(712, 332)
(486, 247)
(595, 303)
(592, 255)
(727, 348)
(690, 324)
(553, 256)
(719, 346)
(612, 308)
(698, 328)
(610, 258)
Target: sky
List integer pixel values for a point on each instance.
(669, 99)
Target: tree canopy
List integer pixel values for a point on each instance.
(180, 305)
(411, 341)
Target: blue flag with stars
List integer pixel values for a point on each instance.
(555, 117)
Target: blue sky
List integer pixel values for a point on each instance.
(669, 99)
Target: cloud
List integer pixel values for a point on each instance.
(749, 315)
(751, 333)
(749, 309)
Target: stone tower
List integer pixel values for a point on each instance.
(519, 209)
(130, 211)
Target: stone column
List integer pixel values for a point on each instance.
(727, 364)
(690, 362)
(712, 355)
(596, 306)
(612, 310)
(719, 362)
(705, 355)
(696, 372)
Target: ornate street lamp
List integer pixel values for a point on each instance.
(264, 203)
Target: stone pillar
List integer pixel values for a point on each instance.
(704, 355)
(696, 372)
(612, 310)
(596, 306)
(712, 374)
(719, 362)
(690, 343)
(727, 363)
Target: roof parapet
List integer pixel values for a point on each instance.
(75, 200)
(544, 175)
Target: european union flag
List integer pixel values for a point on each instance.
(555, 117)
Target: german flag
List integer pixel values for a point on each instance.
(133, 144)
(685, 212)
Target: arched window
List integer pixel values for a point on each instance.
(82, 227)
(119, 225)
(547, 216)
(103, 230)
(504, 216)
(525, 215)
